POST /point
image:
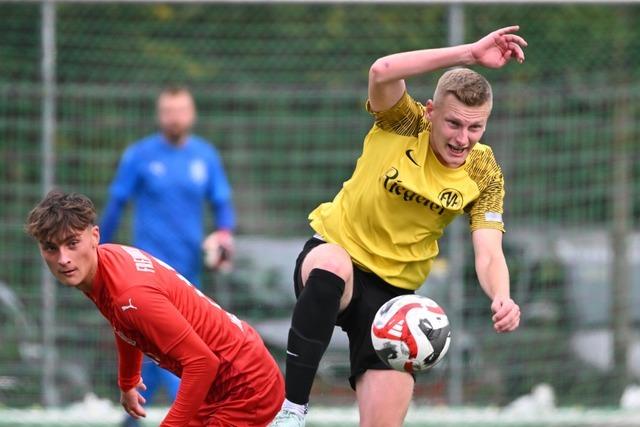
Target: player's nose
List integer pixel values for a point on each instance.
(462, 136)
(63, 257)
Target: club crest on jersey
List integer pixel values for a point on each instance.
(157, 168)
(198, 171)
(450, 198)
(393, 185)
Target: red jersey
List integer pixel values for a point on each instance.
(156, 311)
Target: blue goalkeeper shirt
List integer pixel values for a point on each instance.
(169, 186)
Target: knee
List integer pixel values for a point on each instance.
(339, 269)
(335, 260)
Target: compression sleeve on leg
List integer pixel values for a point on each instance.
(312, 323)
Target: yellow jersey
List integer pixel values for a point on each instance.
(390, 214)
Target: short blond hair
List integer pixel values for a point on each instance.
(469, 87)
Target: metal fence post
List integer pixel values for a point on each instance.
(456, 252)
(50, 395)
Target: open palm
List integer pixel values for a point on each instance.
(132, 401)
(497, 48)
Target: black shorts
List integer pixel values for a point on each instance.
(370, 292)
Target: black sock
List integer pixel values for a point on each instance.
(312, 323)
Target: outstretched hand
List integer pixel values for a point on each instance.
(132, 401)
(496, 49)
(506, 314)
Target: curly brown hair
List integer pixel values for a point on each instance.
(59, 215)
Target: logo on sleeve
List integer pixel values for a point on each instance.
(493, 216)
(129, 307)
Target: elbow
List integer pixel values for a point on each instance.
(211, 364)
(203, 366)
(378, 72)
(211, 361)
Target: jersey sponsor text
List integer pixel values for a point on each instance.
(394, 186)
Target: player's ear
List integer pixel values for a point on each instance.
(429, 107)
(95, 235)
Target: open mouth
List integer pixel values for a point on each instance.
(456, 150)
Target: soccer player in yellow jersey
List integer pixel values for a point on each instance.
(421, 166)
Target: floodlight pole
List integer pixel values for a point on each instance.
(50, 396)
(456, 254)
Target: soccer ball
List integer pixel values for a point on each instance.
(411, 333)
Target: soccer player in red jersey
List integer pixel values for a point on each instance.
(228, 376)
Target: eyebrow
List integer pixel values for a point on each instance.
(71, 237)
(62, 242)
(459, 121)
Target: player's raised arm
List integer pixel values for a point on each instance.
(387, 74)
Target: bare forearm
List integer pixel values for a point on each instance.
(387, 74)
(407, 64)
(493, 275)
(494, 51)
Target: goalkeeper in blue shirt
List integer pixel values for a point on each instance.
(169, 176)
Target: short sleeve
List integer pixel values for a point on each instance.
(486, 211)
(405, 118)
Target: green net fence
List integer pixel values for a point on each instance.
(280, 90)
